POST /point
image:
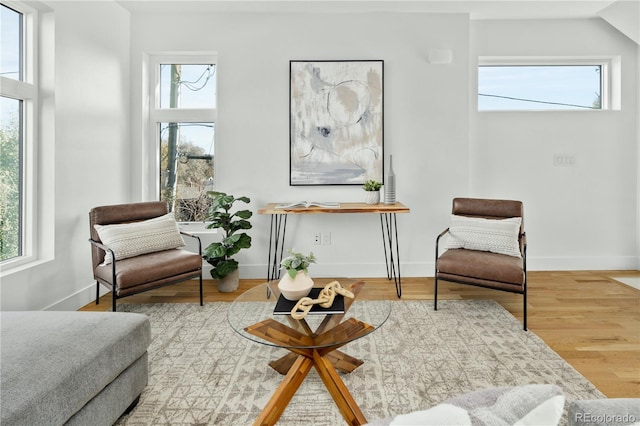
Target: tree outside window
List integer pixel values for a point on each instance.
(185, 118)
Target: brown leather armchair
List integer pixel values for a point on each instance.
(133, 275)
(485, 268)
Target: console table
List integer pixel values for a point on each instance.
(387, 212)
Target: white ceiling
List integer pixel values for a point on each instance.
(478, 9)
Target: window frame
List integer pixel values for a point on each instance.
(609, 77)
(27, 91)
(159, 115)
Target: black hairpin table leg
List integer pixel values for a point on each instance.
(391, 252)
(276, 245)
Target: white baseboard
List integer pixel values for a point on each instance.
(604, 263)
(427, 269)
(78, 299)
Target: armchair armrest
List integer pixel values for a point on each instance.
(188, 234)
(443, 233)
(523, 250)
(113, 264)
(102, 246)
(438, 250)
(435, 264)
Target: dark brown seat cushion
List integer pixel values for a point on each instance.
(134, 273)
(482, 268)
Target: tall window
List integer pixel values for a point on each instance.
(17, 129)
(543, 84)
(183, 115)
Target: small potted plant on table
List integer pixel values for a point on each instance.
(372, 188)
(296, 283)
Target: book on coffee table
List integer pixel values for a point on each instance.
(284, 306)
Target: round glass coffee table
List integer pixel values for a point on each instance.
(261, 316)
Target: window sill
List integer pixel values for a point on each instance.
(12, 267)
(196, 228)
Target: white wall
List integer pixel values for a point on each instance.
(426, 122)
(581, 217)
(91, 98)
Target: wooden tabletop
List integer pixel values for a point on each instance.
(343, 208)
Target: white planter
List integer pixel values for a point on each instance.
(372, 197)
(229, 283)
(295, 288)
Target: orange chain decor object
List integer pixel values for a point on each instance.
(325, 299)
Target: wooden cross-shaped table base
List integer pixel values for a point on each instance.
(317, 349)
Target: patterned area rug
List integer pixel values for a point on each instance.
(203, 373)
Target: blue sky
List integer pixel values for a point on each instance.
(548, 85)
(9, 59)
(9, 43)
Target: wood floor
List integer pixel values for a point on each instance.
(587, 317)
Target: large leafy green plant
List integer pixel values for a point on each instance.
(219, 254)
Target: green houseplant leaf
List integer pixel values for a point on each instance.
(215, 250)
(224, 268)
(372, 185)
(296, 262)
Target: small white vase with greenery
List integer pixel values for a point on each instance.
(372, 190)
(296, 283)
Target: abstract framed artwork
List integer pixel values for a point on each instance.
(336, 119)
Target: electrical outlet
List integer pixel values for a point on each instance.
(560, 160)
(326, 238)
(317, 238)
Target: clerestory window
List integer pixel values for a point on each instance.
(544, 84)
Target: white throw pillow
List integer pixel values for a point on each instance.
(440, 415)
(494, 235)
(136, 238)
(528, 405)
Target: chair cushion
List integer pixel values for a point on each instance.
(151, 268)
(494, 235)
(136, 238)
(482, 265)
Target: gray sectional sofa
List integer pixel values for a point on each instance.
(71, 367)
